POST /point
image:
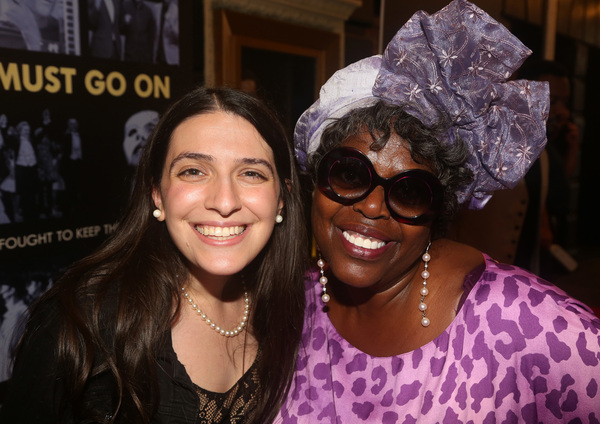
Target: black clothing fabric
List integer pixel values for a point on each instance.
(34, 392)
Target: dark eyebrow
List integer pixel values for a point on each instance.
(256, 161)
(209, 158)
(190, 155)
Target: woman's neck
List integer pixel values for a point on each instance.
(217, 287)
(375, 296)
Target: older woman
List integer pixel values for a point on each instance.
(402, 325)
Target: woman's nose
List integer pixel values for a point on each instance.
(223, 197)
(373, 206)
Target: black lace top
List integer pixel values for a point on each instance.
(236, 406)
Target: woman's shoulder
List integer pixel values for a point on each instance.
(51, 312)
(508, 286)
(455, 263)
(507, 292)
(454, 257)
(461, 259)
(457, 253)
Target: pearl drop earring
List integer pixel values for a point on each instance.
(424, 292)
(323, 280)
(157, 213)
(279, 219)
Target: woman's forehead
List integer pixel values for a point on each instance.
(392, 158)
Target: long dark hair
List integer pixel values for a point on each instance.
(447, 160)
(111, 305)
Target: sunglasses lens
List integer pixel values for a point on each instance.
(410, 197)
(349, 178)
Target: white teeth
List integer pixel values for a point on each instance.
(365, 243)
(220, 231)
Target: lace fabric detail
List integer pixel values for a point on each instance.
(236, 406)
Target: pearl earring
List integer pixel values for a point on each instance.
(279, 219)
(157, 213)
(424, 292)
(323, 280)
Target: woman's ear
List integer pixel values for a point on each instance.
(156, 197)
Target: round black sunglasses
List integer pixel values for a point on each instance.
(346, 175)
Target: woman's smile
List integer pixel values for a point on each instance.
(363, 241)
(220, 232)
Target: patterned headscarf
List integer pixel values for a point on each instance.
(453, 64)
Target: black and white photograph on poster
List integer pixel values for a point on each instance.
(16, 295)
(40, 167)
(42, 163)
(50, 26)
(68, 176)
(138, 128)
(141, 31)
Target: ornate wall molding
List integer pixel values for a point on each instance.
(327, 15)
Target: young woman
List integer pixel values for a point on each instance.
(192, 310)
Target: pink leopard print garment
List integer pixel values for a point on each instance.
(519, 351)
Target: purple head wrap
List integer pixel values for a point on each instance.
(452, 65)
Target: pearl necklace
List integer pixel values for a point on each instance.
(211, 323)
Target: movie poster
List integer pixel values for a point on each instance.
(82, 84)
